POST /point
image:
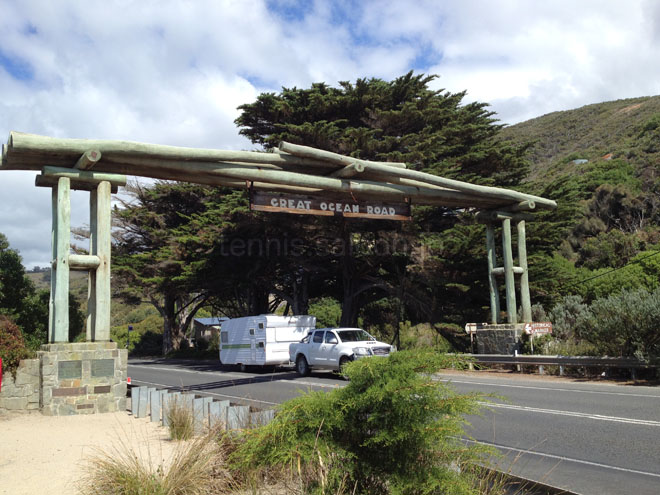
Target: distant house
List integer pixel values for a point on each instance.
(580, 161)
(207, 328)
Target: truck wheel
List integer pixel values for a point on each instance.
(342, 363)
(301, 366)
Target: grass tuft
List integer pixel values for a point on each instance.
(196, 468)
(181, 421)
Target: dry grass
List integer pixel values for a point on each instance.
(197, 467)
(181, 421)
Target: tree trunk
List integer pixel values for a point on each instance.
(168, 313)
(301, 293)
(349, 304)
(258, 300)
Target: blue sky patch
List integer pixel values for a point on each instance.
(287, 10)
(16, 67)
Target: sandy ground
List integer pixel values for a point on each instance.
(47, 455)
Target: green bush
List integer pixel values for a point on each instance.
(392, 429)
(626, 324)
(422, 336)
(12, 345)
(327, 311)
(622, 324)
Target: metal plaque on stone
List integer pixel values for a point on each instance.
(69, 370)
(103, 367)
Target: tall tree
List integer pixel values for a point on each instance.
(400, 120)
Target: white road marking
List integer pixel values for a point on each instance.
(568, 459)
(580, 391)
(599, 417)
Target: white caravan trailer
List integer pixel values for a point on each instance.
(261, 340)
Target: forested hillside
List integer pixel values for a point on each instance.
(600, 163)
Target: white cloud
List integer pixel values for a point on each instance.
(174, 72)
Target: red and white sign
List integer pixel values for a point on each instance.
(538, 328)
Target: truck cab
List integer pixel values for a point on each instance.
(331, 348)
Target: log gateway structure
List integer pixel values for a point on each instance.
(99, 166)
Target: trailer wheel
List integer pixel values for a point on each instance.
(301, 366)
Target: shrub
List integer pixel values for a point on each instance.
(392, 429)
(12, 345)
(627, 324)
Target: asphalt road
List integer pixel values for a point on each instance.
(589, 438)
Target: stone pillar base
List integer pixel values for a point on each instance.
(82, 378)
(498, 339)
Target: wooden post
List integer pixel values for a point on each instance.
(53, 266)
(509, 279)
(524, 277)
(102, 320)
(91, 284)
(61, 266)
(492, 280)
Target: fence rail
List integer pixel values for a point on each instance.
(631, 364)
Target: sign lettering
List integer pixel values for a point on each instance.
(324, 206)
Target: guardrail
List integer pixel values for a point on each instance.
(631, 364)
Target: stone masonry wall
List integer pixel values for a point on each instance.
(22, 393)
(83, 378)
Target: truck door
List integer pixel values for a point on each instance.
(315, 351)
(331, 348)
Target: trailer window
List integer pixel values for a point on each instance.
(224, 337)
(261, 345)
(251, 331)
(261, 326)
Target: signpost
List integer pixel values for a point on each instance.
(540, 328)
(325, 205)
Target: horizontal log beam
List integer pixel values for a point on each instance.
(31, 144)
(50, 181)
(484, 191)
(492, 216)
(282, 171)
(85, 175)
(500, 270)
(83, 262)
(328, 156)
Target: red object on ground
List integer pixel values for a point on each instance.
(128, 380)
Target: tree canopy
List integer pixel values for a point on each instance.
(183, 245)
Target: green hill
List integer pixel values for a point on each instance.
(600, 163)
(628, 129)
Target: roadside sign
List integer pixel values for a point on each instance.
(538, 328)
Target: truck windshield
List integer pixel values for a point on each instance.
(355, 335)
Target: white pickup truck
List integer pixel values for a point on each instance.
(331, 348)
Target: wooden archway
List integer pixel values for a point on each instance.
(99, 165)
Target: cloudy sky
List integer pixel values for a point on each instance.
(173, 72)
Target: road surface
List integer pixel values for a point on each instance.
(589, 438)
